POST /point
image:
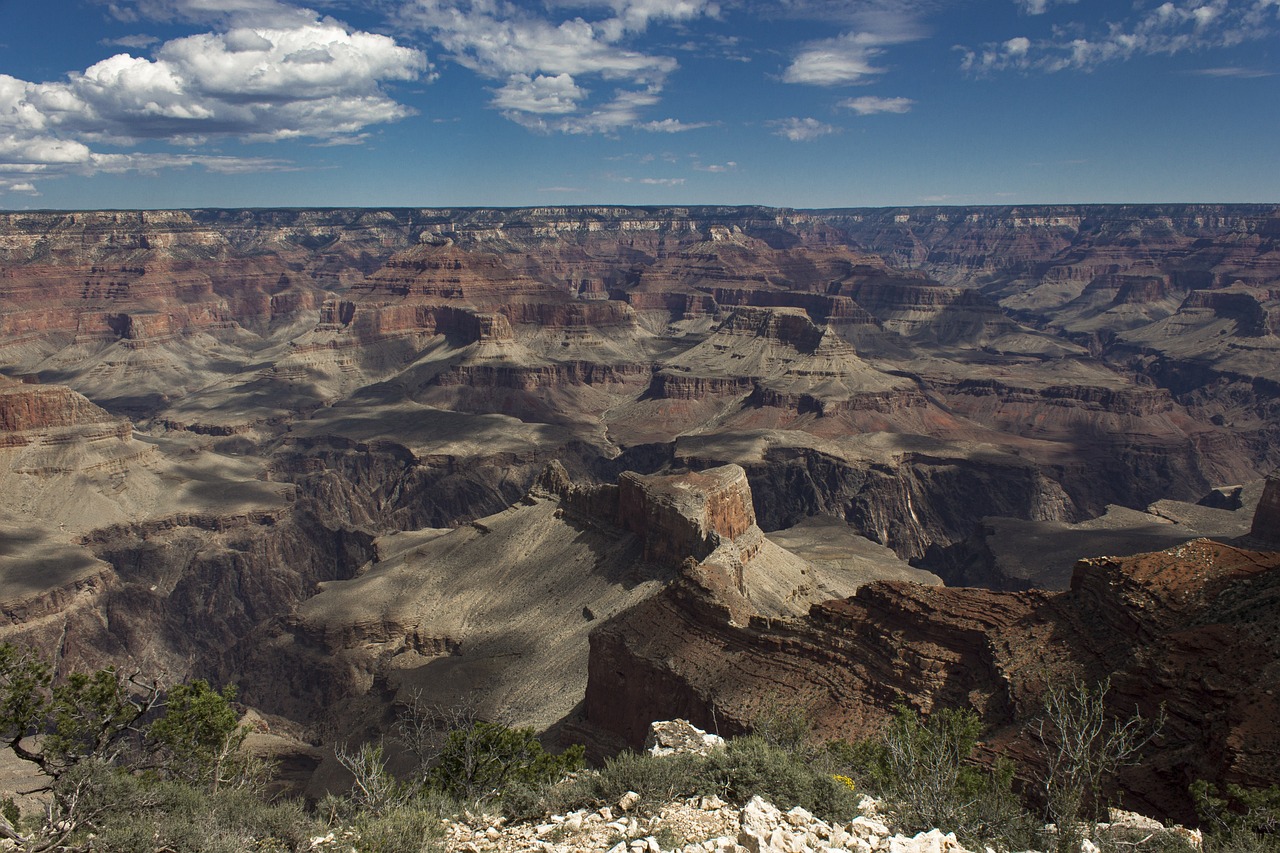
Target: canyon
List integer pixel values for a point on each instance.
(592, 467)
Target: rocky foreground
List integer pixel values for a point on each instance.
(709, 825)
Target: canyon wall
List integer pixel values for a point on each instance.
(218, 428)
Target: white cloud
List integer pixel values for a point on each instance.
(871, 105)
(672, 125)
(1186, 26)
(1232, 71)
(25, 187)
(717, 168)
(635, 15)
(848, 59)
(135, 41)
(314, 78)
(541, 94)
(263, 13)
(1039, 7)
(663, 182)
(835, 62)
(500, 40)
(802, 129)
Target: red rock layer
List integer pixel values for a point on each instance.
(28, 411)
(1191, 629)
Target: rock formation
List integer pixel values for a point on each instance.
(1266, 521)
(221, 411)
(1188, 629)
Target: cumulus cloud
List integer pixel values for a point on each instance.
(1172, 27)
(870, 105)
(312, 78)
(801, 129)
(504, 41)
(540, 94)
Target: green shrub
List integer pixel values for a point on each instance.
(1084, 746)
(484, 759)
(144, 815)
(750, 766)
(199, 739)
(1238, 819)
(411, 826)
(657, 779)
(746, 767)
(920, 769)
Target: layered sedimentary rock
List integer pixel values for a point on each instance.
(251, 403)
(1189, 629)
(497, 613)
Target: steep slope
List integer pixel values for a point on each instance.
(495, 614)
(1190, 629)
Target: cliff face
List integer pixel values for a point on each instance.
(1177, 628)
(1266, 520)
(240, 403)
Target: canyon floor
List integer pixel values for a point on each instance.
(590, 467)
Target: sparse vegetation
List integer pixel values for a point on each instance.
(1238, 819)
(920, 768)
(1084, 747)
(133, 767)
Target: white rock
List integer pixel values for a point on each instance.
(932, 841)
(799, 817)
(620, 847)
(864, 826)
(1133, 820)
(670, 737)
(760, 816)
(1087, 846)
(628, 801)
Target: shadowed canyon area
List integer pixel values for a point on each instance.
(593, 467)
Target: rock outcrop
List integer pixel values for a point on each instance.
(1188, 629)
(1266, 520)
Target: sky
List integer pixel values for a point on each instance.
(795, 103)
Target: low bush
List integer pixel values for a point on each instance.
(920, 768)
(750, 766)
(485, 759)
(411, 826)
(147, 815)
(746, 767)
(1238, 819)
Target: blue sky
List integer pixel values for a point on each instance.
(801, 103)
